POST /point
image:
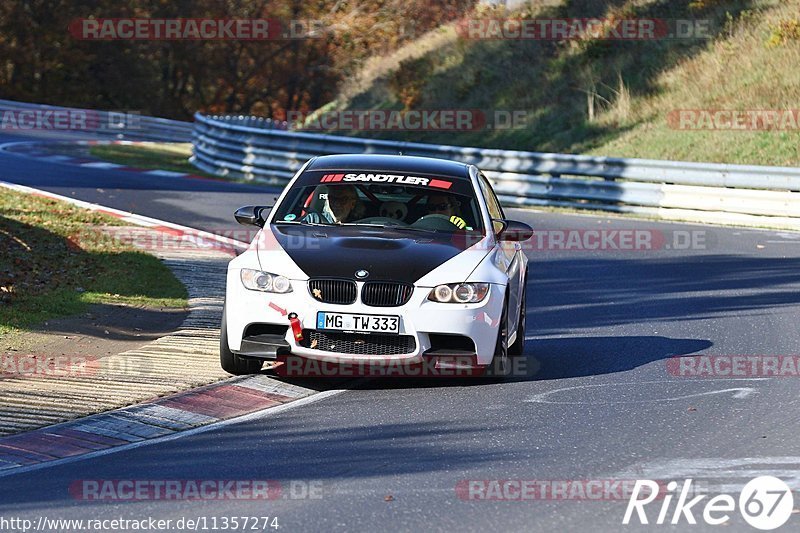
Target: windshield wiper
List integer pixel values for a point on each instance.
(414, 228)
(369, 225)
(391, 227)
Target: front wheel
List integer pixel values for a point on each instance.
(519, 343)
(230, 362)
(501, 365)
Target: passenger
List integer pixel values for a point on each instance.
(445, 205)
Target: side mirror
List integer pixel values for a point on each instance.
(515, 231)
(251, 215)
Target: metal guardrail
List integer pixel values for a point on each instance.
(22, 116)
(264, 151)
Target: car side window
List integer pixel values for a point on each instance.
(492, 203)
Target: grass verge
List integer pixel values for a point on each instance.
(156, 156)
(56, 262)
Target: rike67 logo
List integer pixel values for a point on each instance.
(765, 503)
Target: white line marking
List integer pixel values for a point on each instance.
(689, 466)
(102, 165)
(788, 235)
(166, 173)
(264, 413)
(713, 468)
(138, 221)
(741, 393)
(133, 218)
(5, 147)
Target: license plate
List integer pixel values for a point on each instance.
(358, 323)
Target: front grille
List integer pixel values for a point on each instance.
(354, 343)
(385, 293)
(333, 291)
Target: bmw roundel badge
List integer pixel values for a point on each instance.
(361, 274)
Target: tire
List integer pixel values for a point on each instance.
(230, 362)
(518, 348)
(500, 366)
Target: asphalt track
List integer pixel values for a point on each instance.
(597, 401)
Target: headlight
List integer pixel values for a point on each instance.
(459, 293)
(256, 280)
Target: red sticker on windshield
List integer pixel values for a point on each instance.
(440, 184)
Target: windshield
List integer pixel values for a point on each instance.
(377, 199)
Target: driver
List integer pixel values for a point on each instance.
(339, 206)
(441, 204)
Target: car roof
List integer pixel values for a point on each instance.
(391, 163)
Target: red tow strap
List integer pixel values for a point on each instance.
(297, 328)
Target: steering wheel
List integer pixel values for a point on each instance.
(435, 221)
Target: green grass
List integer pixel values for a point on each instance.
(157, 156)
(750, 62)
(56, 261)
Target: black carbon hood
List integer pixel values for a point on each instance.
(387, 254)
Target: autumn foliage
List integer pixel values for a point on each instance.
(41, 61)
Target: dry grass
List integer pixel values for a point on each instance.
(742, 70)
(378, 67)
(606, 97)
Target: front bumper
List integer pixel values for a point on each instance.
(419, 318)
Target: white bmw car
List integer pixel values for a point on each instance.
(375, 258)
